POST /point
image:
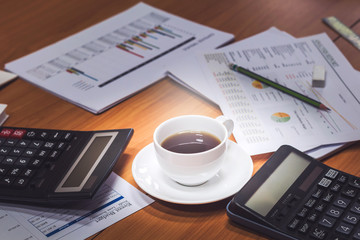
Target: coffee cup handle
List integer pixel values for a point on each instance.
(227, 122)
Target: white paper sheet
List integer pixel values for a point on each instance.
(266, 118)
(187, 70)
(187, 73)
(6, 77)
(110, 61)
(115, 200)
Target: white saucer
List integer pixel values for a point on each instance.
(237, 170)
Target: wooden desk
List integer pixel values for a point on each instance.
(26, 26)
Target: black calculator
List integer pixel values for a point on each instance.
(53, 166)
(294, 196)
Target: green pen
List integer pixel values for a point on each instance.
(278, 87)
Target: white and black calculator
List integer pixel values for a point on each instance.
(53, 166)
(294, 196)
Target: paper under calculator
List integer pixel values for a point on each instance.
(51, 166)
(294, 196)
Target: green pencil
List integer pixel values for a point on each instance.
(278, 86)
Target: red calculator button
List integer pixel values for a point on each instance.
(18, 133)
(6, 132)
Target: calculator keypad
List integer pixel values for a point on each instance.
(27, 154)
(332, 211)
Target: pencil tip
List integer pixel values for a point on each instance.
(323, 107)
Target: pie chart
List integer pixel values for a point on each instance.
(280, 117)
(259, 85)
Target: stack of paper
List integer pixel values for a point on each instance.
(266, 118)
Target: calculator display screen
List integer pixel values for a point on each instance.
(276, 185)
(86, 163)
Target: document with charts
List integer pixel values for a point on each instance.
(110, 61)
(267, 118)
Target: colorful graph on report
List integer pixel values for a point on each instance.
(120, 52)
(280, 117)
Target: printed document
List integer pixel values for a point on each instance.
(110, 61)
(267, 118)
(115, 200)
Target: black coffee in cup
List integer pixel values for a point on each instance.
(190, 142)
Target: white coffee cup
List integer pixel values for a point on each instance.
(192, 169)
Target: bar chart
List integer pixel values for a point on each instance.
(116, 54)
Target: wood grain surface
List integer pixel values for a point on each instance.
(26, 26)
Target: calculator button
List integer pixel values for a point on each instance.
(6, 181)
(327, 221)
(313, 217)
(29, 153)
(49, 145)
(355, 208)
(61, 146)
(318, 233)
(4, 150)
(43, 135)
(20, 182)
(23, 143)
(336, 187)
(36, 163)
(328, 197)
(293, 224)
(10, 142)
(342, 179)
(304, 228)
(318, 192)
(9, 160)
(349, 192)
(67, 136)
(54, 155)
(36, 144)
(30, 134)
(6, 132)
(325, 182)
(22, 162)
(303, 212)
(55, 135)
(18, 133)
(344, 228)
(334, 211)
(43, 153)
(3, 170)
(320, 207)
(351, 218)
(16, 152)
(28, 172)
(310, 203)
(331, 174)
(342, 202)
(13, 172)
(355, 182)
